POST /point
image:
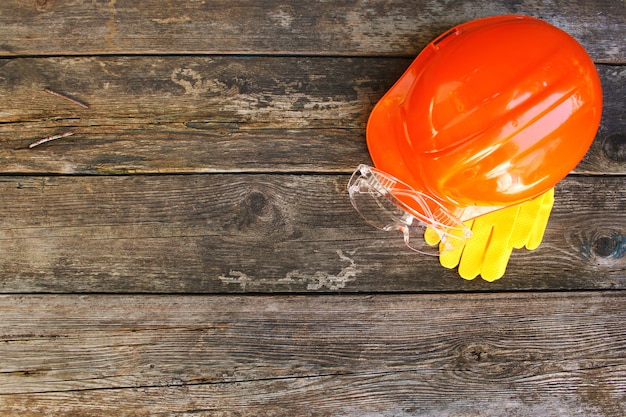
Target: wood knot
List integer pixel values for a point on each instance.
(603, 246)
(41, 5)
(614, 147)
(612, 246)
(257, 214)
(257, 204)
(475, 353)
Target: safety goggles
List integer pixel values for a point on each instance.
(389, 204)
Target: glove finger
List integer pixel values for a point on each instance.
(494, 267)
(472, 257)
(525, 222)
(541, 222)
(499, 248)
(531, 221)
(449, 258)
(431, 236)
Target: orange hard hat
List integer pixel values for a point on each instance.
(492, 113)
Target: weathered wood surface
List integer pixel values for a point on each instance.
(263, 106)
(550, 354)
(219, 114)
(268, 233)
(356, 27)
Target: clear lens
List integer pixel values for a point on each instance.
(389, 204)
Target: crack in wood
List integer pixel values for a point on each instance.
(180, 383)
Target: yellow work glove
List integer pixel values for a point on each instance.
(494, 236)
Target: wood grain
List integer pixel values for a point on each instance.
(549, 354)
(219, 114)
(211, 143)
(361, 27)
(268, 233)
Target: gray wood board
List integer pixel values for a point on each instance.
(229, 233)
(219, 114)
(547, 354)
(49, 27)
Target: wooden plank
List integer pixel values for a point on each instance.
(366, 27)
(546, 354)
(268, 233)
(218, 114)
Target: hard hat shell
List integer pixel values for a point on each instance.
(492, 113)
